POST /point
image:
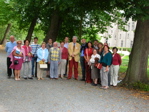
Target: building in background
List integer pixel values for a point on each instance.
(120, 38)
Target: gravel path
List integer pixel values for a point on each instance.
(63, 96)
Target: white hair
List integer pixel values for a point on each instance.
(74, 37)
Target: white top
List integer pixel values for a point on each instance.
(92, 60)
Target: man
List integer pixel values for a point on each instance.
(95, 44)
(66, 40)
(73, 50)
(49, 46)
(82, 59)
(54, 60)
(9, 47)
(35, 46)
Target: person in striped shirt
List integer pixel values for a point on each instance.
(35, 46)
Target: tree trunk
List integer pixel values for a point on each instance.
(54, 27)
(31, 29)
(6, 33)
(138, 59)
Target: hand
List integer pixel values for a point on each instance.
(59, 62)
(107, 69)
(72, 55)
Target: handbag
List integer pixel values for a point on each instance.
(99, 66)
(16, 62)
(43, 66)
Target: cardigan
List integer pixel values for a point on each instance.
(40, 54)
(106, 60)
(116, 59)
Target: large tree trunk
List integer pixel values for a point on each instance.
(31, 29)
(6, 33)
(138, 59)
(54, 27)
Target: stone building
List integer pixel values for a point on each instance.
(120, 38)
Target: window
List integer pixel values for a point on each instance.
(111, 31)
(128, 26)
(131, 44)
(120, 36)
(128, 36)
(121, 43)
(133, 25)
(115, 37)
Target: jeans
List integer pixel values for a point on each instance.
(82, 62)
(34, 65)
(54, 69)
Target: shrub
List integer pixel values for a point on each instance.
(141, 86)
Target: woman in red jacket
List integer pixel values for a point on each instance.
(64, 57)
(116, 62)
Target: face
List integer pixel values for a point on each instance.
(89, 45)
(27, 43)
(100, 45)
(74, 40)
(43, 45)
(19, 43)
(114, 51)
(106, 48)
(83, 41)
(95, 42)
(12, 38)
(54, 44)
(50, 41)
(94, 52)
(66, 39)
(62, 44)
(35, 40)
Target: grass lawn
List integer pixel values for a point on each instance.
(124, 65)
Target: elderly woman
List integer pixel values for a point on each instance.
(94, 69)
(64, 57)
(105, 60)
(17, 57)
(42, 54)
(114, 69)
(100, 48)
(27, 63)
(87, 55)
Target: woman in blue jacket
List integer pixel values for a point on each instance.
(42, 54)
(106, 59)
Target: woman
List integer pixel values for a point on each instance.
(42, 54)
(94, 69)
(27, 62)
(105, 60)
(87, 55)
(17, 57)
(100, 48)
(114, 69)
(64, 57)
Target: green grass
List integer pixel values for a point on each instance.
(124, 65)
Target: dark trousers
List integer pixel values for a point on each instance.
(66, 67)
(82, 62)
(9, 70)
(34, 65)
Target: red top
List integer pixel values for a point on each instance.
(116, 59)
(88, 52)
(64, 53)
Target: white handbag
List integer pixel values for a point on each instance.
(43, 66)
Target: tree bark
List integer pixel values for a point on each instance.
(31, 29)
(6, 33)
(138, 59)
(53, 31)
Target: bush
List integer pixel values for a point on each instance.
(141, 86)
(121, 54)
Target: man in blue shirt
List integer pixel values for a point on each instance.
(35, 46)
(82, 59)
(9, 47)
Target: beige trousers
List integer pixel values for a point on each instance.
(39, 71)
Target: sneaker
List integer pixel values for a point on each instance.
(25, 78)
(30, 78)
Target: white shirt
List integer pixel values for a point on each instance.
(18, 50)
(66, 45)
(92, 60)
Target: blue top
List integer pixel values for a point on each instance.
(83, 47)
(34, 47)
(107, 59)
(9, 47)
(66, 45)
(42, 54)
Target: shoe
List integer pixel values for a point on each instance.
(76, 78)
(56, 78)
(42, 78)
(25, 78)
(68, 78)
(93, 84)
(105, 88)
(38, 79)
(30, 78)
(9, 77)
(82, 79)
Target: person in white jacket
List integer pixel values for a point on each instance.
(94, 69)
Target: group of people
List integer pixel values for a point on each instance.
(98, 64)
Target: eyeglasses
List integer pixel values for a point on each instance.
(19, 43)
